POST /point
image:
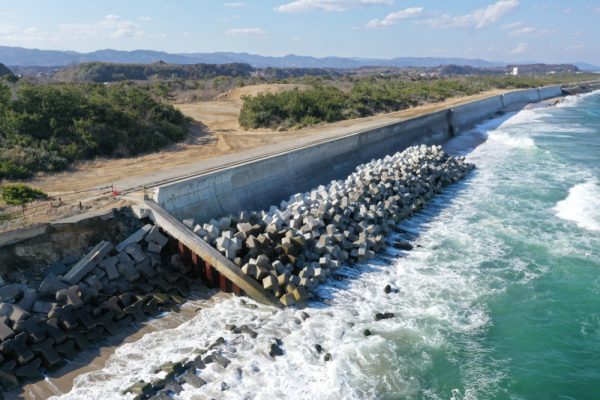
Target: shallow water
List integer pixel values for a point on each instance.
(498, 300)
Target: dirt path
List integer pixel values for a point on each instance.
(217, 133)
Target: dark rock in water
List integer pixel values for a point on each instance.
(224, 386)
(140, 387)
(327, 357)
(220, 341)
(367, 332)
(173, 387)
(380, 316)
(387, 289)
(161, 395)
(304, 315)
(275, 350)
(192, 379)
(198, 363)
(403, 245)
(216, 358)
(318, 348)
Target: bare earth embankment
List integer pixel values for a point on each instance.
(218, 133)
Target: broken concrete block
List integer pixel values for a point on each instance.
(189, 223)
(154, 248)
(87, 263)
(155, 236)
(135, 238)
(50, 285)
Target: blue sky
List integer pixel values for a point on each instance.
(506, 30)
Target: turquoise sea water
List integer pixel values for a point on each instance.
(500, 299)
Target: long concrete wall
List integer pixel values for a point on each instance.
(267, 181)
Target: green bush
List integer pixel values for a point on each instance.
(47, 127)
(17, 194)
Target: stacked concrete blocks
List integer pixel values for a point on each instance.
(293, 248)
(110, 287)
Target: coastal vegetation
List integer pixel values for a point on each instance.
(48, 127)
(19, 194)
(330, 101)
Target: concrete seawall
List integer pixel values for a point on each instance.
(266, 181)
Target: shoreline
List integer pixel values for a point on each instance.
(62, 380)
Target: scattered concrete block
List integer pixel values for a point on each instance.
(136, 252)
(17, 347)
(155, 236)
(30, 296)
(10, 291)
(70, 296)
(135, 238)
(87, 263)
(49, 356)
(13, 312)
(5, 331)
(43, 307)
(50, 285)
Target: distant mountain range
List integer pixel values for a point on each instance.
(18, 56)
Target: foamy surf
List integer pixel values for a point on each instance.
(581, 206)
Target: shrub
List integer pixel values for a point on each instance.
(49, 126)
(17, 194)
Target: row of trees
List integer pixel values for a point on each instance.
(364, 96)
(47, 127)
(327, 103)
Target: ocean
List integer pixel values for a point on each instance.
(499, 299)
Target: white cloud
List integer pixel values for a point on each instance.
(111, 26)
(145, 18)
(394, 17)
(575, 47)
(236, 4)
(14, 34)
(246, 32)
(328, 5)
(477, 19)
(512, 25)
(520, 49)
(522, 31)
(186, 33)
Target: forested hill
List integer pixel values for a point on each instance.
(112, 72)
(4, 70)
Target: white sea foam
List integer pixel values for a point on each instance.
(511, 139)
(582, 205)
(574, 100)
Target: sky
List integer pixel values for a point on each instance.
(496, 30)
